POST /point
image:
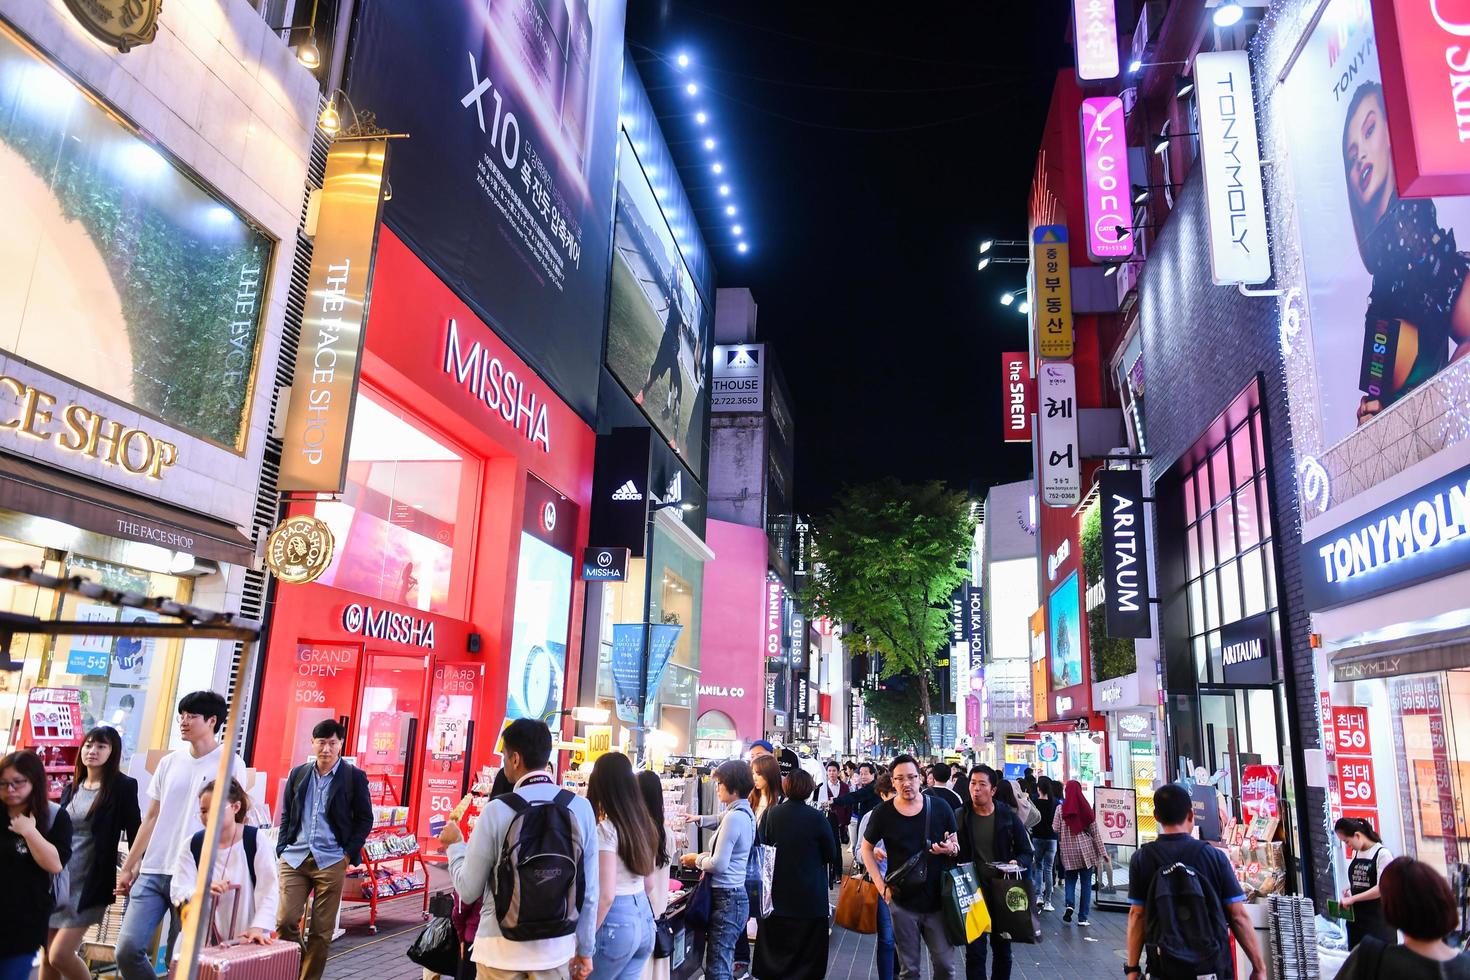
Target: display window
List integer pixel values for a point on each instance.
(715, 736)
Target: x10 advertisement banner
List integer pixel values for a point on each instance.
(1235, 203)
(1125, 554)
(505, 187)
(1015, 382)
(1061, 463)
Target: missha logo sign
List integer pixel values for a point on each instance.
(485, 376)
(381, 624)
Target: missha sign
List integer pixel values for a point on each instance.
(1419, 536)
(1424, 55)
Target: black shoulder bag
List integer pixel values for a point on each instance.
(912, 876)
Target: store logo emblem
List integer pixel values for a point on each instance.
(675, 493)
(548, 516)
(627, 492)
(380, 624)
(1243, 652)
(742, 357)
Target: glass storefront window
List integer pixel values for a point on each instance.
(715, 736)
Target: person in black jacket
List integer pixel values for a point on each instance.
(103, 805)
(863, 796)
(326, 818)
(990, 833)
(792, 944)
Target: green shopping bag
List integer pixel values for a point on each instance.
(966, 917)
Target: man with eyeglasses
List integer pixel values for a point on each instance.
(908, 825)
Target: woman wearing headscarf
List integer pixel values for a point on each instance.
(1081, 848)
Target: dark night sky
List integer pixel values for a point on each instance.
(871, 148)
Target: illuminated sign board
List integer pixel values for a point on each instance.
(1231, 158)
(1095, 36)
(1105, 179)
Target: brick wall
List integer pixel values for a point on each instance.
(1202, 345)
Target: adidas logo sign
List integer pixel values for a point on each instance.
(627, 492)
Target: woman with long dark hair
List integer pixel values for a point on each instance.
(1418, 902)
(793, 941)
(652, 788)
(102, 803)
(1365, 870)
(766, 772)
(1081, 847)
(627, 844)
(34, 845)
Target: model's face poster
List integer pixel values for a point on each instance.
(1385, 275)
(1064, 610)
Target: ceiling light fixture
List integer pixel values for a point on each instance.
(1228, 13)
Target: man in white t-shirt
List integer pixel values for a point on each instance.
(172, 818)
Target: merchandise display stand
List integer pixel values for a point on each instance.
(387, 873)
(53, 730)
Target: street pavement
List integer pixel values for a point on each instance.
(1065, 950)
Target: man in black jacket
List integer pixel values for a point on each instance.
(990, 833)
(326, 817)
(863, 797)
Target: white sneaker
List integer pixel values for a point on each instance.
(1083, 922)
(1048, 907)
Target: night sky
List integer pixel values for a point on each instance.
(871, 149)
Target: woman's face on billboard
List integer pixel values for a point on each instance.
(1366, 156)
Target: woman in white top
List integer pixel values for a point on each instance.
(244, 872)
(627, 844)
(652, 788)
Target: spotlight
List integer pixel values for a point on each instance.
(718, 168)
(1183, 85)
(330, 121)
(709, 143)
(309, 55)
(986, 245)
(1110, 271)
(724, 190)
(692, 89)
(730, 210)
(701, 118)
(1134, 65)
(737, 230)
(980, 267)
(1228, 13)
(1024, 308)
(1161, 144)
(683, 61)
(1140, 194)
(742, 248)
(1006, 299)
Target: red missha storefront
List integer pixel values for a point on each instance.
(451, 597)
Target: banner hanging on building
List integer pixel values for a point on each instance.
(1051, 280)
(1095, 37)
(1061, 466)
(1105, 179)
(338, 287)
(1424, 59)
(1125, 554)
(1231, 158)
(1019, 395)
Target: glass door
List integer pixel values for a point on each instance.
(387, 726)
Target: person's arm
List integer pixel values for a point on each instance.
(1373, 894)
(1025, 850)
(1135, 936)
(831, 853)
(870, 861)
(361, 815)
(607, 878)
(44, 852)
(185, 874)
(718, 860)
(129, 819)
(1245, 935)
(587, 921)
(267, 898)
(470, 863)
(136, 849)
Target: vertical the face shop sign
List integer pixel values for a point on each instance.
(1125, 553)
(1231, 158)
(324, 385)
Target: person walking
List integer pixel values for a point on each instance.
(243, 886)
(652, 790)
(939, 786)
(1206, 945)
(627, 843)
(991, 833)
(1044, 840)
(766, 772)
(793, 940)
(912, 826)
(838, 817)
(884, 960)
(102, 804)
(1418, 902)
(172, 819)
(327, 815)
(568, 946)
(1081, 848)
(1370, 858)
(726, 860)
(862, 797)
(35, 844)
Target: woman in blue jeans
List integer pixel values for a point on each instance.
(725, 862)
(885, 957)
(1045, 840)
(627, 845)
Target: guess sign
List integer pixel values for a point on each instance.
(1424, 54)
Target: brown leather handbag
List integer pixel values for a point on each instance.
(857, 905)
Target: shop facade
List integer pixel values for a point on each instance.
(451, 601)
(154, 203)
(732, 673)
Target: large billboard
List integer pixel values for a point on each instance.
(658, 331)
(1064, 634)
(1385, 277)
(119, 273)
(505, 184)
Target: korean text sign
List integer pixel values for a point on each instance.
(1061, 466)
(1117, 815)
(1052, 282)
(1095, 34)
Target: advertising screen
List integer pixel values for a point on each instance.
(120, 273)
(538, 643)
(657, 335)
(1385, 275)
(1064, 634)
(505, 187)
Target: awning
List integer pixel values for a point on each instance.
(1422, 653)
(45, 491)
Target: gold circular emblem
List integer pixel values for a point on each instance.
(121, 23)
(299, 549)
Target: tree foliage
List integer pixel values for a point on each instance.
(887, 557)
(896, 708)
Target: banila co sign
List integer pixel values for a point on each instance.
(1231, 158)
(1424, 56)
(1125, 554)
(1421, 535)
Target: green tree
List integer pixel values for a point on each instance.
(896, 709)
(886, 559)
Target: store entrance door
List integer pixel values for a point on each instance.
(387, 727)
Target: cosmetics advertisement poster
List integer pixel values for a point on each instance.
(538, 645)
(1064, 611)
(505, 186)
(1385, 275)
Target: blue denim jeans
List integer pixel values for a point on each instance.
(1042, 868)
(16, 967)
(1071, 879)
(728, 912)
(624, 940)
(148, 905)
(885, 958)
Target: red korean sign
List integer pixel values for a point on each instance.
(1424, 55)
(1350, 731)
(1355, 782)
(1019, 395)
(1258, 793)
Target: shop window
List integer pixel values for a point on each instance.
(401, 515)
(1246, 525)
(543, 606)
(1225, 529)
(1191, 512)
(1229, 592)
(1219, 477)
(1207, 541)
(1252, 583)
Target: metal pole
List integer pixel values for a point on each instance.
(640, 729)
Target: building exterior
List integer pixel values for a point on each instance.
(1008, 594)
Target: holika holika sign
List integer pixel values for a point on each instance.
(1125, 554)
(324, 385)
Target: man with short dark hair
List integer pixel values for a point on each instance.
(939, 788)
(863, 796)
(326, 817)
(990, 833)
(1176, 845)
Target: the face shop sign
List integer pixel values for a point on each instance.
(1421, 535)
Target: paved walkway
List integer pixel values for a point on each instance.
(1066, 951)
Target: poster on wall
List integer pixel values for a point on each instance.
(1385, 275)
(1117, 815)
(657, 331)
(132, 656)
(452, 707)
(511, 200)
(87, 656)
(1064, 614)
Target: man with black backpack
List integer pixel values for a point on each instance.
(532, 858)
(1184, 900)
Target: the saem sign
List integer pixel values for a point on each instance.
(1424, 54)
(1015, 383)
(1105, 172)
